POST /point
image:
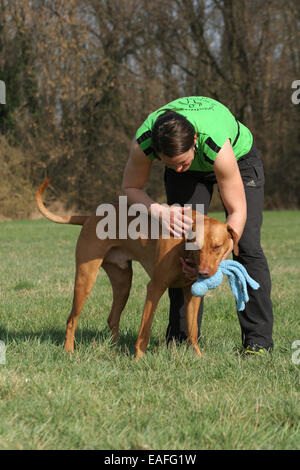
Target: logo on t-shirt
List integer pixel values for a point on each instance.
(197, 104)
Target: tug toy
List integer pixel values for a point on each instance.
(237, 277)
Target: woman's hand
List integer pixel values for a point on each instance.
(174, 219)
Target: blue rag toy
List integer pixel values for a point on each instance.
(238, 279)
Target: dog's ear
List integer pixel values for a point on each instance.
(235, 238)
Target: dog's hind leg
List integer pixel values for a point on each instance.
(120, 279)
(85, 278)
(88, 261)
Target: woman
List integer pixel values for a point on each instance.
(201, 143)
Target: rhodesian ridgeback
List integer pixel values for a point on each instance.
(161, 258)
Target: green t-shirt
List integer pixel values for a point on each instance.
(213, 124)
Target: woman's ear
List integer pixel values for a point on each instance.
(235, 239)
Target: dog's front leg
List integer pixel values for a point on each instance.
(192, 305)
(154, 293)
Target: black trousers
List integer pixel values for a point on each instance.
(192, 187)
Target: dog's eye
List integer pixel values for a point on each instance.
(218, 247)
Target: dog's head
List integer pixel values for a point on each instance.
(212, 241)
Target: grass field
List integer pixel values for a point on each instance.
(100, 398)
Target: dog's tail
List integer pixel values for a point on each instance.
(59, 219)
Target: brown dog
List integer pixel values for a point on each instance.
(159, 257)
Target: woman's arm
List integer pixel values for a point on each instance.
(135, 176)
(231, 188)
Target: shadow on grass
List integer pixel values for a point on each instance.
(85, 337)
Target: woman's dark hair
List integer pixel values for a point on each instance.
(172, 134)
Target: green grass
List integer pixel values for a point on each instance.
(100, 397)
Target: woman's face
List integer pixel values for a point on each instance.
(182, 162)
